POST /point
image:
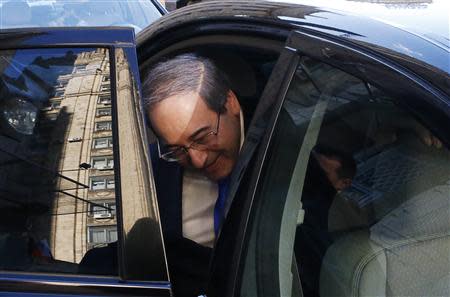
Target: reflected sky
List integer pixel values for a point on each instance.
(427, 16)
(80, 13)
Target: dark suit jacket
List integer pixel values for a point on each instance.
(188, 261)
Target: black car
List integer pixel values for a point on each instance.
(322, 88)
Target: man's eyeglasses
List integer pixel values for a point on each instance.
(180, 153)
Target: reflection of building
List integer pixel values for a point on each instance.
(81, 106)
(58, 183)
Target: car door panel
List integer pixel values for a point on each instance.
(78, 200)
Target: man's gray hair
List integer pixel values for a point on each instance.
(184, 74)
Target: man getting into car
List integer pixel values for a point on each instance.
(199, 125)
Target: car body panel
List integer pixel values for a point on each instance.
(419, 54)
(422, 18)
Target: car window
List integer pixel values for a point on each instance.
(57, 186)
(353, 197)
(65, 13)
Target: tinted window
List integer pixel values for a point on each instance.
(65, 13)
(353, 199)
(53, 192)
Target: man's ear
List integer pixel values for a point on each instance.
(232, 104)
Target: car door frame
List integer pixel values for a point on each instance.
(351, 57)
(128, 282)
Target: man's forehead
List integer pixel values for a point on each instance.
(175, 116)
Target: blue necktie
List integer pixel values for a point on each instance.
(220, 204)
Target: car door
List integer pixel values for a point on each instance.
(78, 207)
(292, 230)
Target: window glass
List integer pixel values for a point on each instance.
(105, 142)
(103, 162)
(79, 68)
(353, 199)
(62, 82)
(102, 182)
(67, 13)
(48, 185)
(104, 99)
(59, 93)
(110, 183)
(55, 103)
(104, 111)
(105, 88)
(101, 235)
(103, 126)
(112, 234)
(101, 209)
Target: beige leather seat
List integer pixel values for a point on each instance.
(407, 253)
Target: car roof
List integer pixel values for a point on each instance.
(381, 34)
(426, 18)
(398, 28)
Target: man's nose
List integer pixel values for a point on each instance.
(198, 158)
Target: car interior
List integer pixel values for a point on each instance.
(387, 232)
(384, 235)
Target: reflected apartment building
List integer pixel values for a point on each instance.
(84, 208)
(58, 178)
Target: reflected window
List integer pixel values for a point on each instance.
(102, 183)
(104, 162)
(105, 142)
(52, 116)
(103, 112)
(55, 104)
(59, 93)
(101, 210)
(102, 234)
(104, 99)
(80, 68)
(105, 88)
(103, 126)
(62, 82)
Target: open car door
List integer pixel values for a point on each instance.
(78, 211)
